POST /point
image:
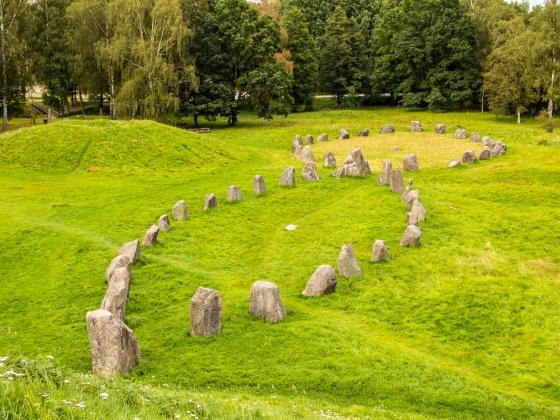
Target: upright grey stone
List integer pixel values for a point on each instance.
(380, 252)
(348, 265)
(329, 161)
(309, 172)
(323, 137)
(461, 133)
(484, 154)
(131, 250)
(297, 143)
(388, 129)
(210, 201)
(440, 129)
(475, 137)
(206, 313)
(309, 139)
(364, 133)
(117, 293)
(114, 349)
(180, 210)
(234, 194)
(396, 181)
(151, 236)
(259, 188)
(307, 154)
(119, 261)
(411, 236)
(344, 134)
(416, 126)
(322, 282)
(385, 176)
(410, 163)
(355, 165)
(417, 212)
(409, 197)
(163, 223)
(469, 157)
(288, 178)
(265, 302)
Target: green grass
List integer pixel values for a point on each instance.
(465, 326)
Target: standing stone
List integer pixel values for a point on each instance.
(453, 163)
(210, 202)
(266, 303)
(385, 176)
(484, 154)
(297, 143)
(440, 129)
(288, 178)
(469, 157)
(396, 181)
(151, 236)
(329, 161)
(309, 172)
(416, 126)
(497, 148)
(114, 349)
(322, 282)
(355, 165)
(259, 188)
(323, 137)
(417, 212)
(206, 313)
(307, 154)
(409, 197)
(347, 263)
(380, 252)
(309, 139)
(364, 133)
(131, 250)
(411, 236)
(461, 133)
(119, 261)
(180, 210)
(344, 134)
(388, 129)
(164, 224)
(234, 194)
(410, 163)
(475, 137)
(117, 293)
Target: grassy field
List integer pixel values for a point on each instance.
(465, 326)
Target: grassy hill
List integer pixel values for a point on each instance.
(465, 326)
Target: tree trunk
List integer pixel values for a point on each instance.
(81, 102)
(4, 72)
(195, 117)
(112, 105)
(550, 109)
(518, 115)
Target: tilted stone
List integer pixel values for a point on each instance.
(234, 194)
(163, 223)
(259, 187)
(151, 236)
(206, 313)
(453, 163)
(440, 129)
(396, 181)
(288, 178)
(322, 282)
(309, 139)
(461, 133)
(344, 134)
(475, 137)
(307, 154)
(117, 293)
(355, 165)
(484, 154)
(131, 250)
(348, 265)
(411, 236)
(329, 161)
(309, 172)
(180, 210)
(265, 302)
(114, 349)
(210, 201)
(416, 126)
(380, 252)
(469, 157)
(323, 137)
(119, 261)
(385, 176)
(388, 129)
(364, 133)
(410, 163)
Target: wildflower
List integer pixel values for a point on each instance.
(67, 402)
(67, 381)
(177, 416)
(165, 386)
(3, 359)
(81, 405)
(50, 357)
(45, 394)
(103, 395)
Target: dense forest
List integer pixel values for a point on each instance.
(211, 58)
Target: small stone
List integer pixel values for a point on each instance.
(385, 176)
(388, 129)
(475, 137)
(411, 236)
(484, 154)
(265, 302)
(440, 129)
(307, 154)
(206, 313)
(309, 139)
(461, 133)
(288, 178)
(396, 181)
(416, 127)
(180, 210)
(322, 282)
(131, 250)
(164, 224)
(344, 134)
(309, 172)
(329, 161)
(119, 261)
(323, 137)
(410, 163)
(453, 163)
(234, 194)
(114, 349)
(291, 228)
(259, 188)
(151, 236)
(210, 201)
(364, 133)
(380, 252)
(117, 293)
(469, 157)
(355, 165)
(347, 263)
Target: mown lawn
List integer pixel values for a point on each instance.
(465, 326)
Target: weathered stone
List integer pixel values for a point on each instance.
(396, 181)
(288, 178)
(484, 154)
(380, 252)
(364, 133)
(329, 161)
(410, 163)
(469, 157)
(119, 261)
(453, 163)
(411, 236)
(497, 148)
(418, 211)
(409, 197)
(206, 313)
(297, 142)
(114, 349)
(297, 150)
(259, 187)
(486, 140)
(475, 137)
(210, 201)
(388, 129)
(131, 250)
(180, 210)
(347, 263)
(117, 293)
(322, 282)
(266, 303)
(440, 129)
(355, 165)
(163, 223)
(385, 176)
(416, 127)
(307, 154)
(309, 172)
(151, 236)
(323, 137)
(344, 134)
(461, 133)
(309, 139)
(234, 194)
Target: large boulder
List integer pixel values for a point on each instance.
(329, 161)
(288, 178)
(396, 181)
(309, 139)
(410, 163)
(385, 176)
(307, 154)
(131, 250)
(355, 165)
(151, 236)
(180, 210)
(323, 137)
(440, 129)
(411, 236)
(234, 194)
(469, 157)
(344, 134)
(259, 187)
(388, 129)
(348, 265)
(119, 261)
(484, 154)
(380, 252)
(210, 201)
(461, 133)
(117, 293)
(163, 223)
(114, 349)
(416, 126)
(206, 313)
(265, 302)
(309, 172)
(322, 282)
